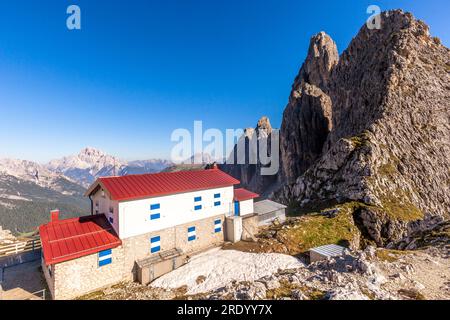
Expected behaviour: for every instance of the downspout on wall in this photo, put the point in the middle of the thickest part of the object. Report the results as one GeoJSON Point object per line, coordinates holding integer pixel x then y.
{"type": "Point", "coordinates": [92, 205]}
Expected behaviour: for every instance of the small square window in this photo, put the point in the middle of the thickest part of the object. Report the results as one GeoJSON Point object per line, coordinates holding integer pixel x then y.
{"type": "Point", "coordinates": [217, 226]}
{"type": "Point", "coordinates": [111, 219]}
{"type": "Point", "coordinates": [198, 208]}
{"type": "Point", "coordinates": [104, 258]}
{"type": "Point", "coordinates": [155, 244]}
{"type": "Point", "coordinates": [192, 235]}
{"type": "Point", "coordinates": [197, 199]}
{"type": "Point", "coordinates": [217, 203]}
{"type": "Point", "coordinates": [216, 195]}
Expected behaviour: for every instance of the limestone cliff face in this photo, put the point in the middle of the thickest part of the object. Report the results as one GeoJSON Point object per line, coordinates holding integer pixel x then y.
{"type": "Point", "coordinates": [308, 115]}
{"type": "Point", "coordinates": [370, 127]}
{"type": "Point", "coordinates": [242, 168]}
{"type": "Point", "coordinates": [388, 147]}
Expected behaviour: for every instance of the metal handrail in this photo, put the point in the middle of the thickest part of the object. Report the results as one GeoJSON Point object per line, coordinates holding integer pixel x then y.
{"type": "Point", "coordinates": [36, 293]}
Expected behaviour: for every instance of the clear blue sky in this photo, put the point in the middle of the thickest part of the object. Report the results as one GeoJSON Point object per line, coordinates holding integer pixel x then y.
{"type": "Point", "coordinates": [140, 69]}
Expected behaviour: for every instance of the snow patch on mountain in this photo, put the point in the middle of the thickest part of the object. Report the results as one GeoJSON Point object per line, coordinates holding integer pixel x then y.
{"type": "Point", "coordinates": [90, 164]}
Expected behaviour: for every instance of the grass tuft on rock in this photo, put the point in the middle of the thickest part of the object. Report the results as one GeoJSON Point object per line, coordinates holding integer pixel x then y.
{"type": "Point", "coordinates": [317, 229]}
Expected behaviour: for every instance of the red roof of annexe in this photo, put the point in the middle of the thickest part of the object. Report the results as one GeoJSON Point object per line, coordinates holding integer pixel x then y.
{"type": "Point", "coordinates": [69, 239]}
{"type": "Point", "coordinates": [243, 194]}
{"type": "Point", "coordinates": [159, 184]}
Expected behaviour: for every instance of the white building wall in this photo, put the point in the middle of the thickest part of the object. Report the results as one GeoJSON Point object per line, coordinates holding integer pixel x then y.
{"type": "Point", "coordinates": [104, 206]}
{"type": "Point", "coordinates": [177, 209]}
{"type": "Point", "coordinates": [246, 207]}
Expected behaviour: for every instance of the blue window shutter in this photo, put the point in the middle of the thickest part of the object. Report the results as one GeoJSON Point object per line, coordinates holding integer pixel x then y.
{"type": "Point", "coordinates": [191, 238]}
{"type": "Point", "coordinates": [104, 262]}
{"type": "Point", "coordinates": [155, 249]}
{"type": "Point", "coordinates": [217, 195]}
{"type": "Point", "coordinates": [217, 203]}
{"type": "Point", "coordinates": [191, 229]}
{"type": "Point", "coordinates": [155, 239]}
{"type": "Point", "coordinates": [155, 216]}
{"type": "Point", "coordinates": [198, 207]}
{"type": "Point", "coordinates": [197, 199]}
{"type": "Point", "coordinates": [105, 253]}
{"type": "Point", "coordinates": [217, 222]}
{"type": "Point", "coordinates": [155, 206]}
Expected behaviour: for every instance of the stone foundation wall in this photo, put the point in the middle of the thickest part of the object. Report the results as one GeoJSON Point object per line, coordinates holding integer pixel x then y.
{"type": "Point", "coordinates": [49, 278]}
{"type": "Point", "coordinates": [83, 275]}
{"type": "Point", "coordinates": [137, 248]}
{"type": "Point", "coordinates": [80, 276]}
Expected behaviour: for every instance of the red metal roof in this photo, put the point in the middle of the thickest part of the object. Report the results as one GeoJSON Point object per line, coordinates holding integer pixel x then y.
{"type": "Point", "coordinates": [165, 183]}
{"type": "Point", "coordinates": [69, 239]}
{"type": "Point", "coordinates": [243, 194]}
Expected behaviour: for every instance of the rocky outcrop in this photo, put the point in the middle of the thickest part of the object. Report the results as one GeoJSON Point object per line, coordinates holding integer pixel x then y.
{"type": "Point", "coordinates": [242, 165]}
{"type": "Point", "coordinates": [389, 143]}
{"type": "Point", "coordinates": [308, 115]}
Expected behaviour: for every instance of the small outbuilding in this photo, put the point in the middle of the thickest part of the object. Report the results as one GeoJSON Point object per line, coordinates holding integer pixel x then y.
{"type": "Point", "coordinates": [325, 252]}
{"type": "Point", "coordinates": [269, 211]}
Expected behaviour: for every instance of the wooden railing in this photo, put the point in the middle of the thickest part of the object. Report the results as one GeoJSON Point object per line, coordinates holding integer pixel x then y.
{"type": "Point", "coordinates": [20, 247]}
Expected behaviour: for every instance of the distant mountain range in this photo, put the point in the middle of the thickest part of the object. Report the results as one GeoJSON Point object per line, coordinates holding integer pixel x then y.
{"type": "Point", "coordinates": [29, 190]}
{"type": "Point", "coordinates": [90, 164]}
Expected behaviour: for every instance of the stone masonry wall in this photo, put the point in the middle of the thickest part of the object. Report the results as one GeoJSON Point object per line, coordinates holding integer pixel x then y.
{"type": "Point", "coordinates": [137, 248]}
{"type": "Point", "coordinates": [49, 278]}
{"type": "Point", "coordinates": [80, 276]}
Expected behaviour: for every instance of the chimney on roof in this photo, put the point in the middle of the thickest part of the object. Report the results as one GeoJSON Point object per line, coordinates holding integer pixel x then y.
{"type": "Point", "coordinates": [213, 166]}
{"type": "Point", "coordinates": [54, 215]}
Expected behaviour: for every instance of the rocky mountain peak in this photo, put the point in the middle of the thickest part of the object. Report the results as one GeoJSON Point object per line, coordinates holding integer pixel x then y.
{"type": "Point", "coordinates": [321, 59]}
{"type": "Point", "coordinates": [91, 152]}
{"type": "Point", "coordinates": [387, 147]}
{"type": "Point", "coordinates": [307, 119]}
{"type": "Point", "coordinates": [264, 124]}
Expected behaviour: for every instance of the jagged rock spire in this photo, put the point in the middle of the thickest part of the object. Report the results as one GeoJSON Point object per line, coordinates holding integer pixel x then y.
{"type": "Point", "coordinates": [307, 117]}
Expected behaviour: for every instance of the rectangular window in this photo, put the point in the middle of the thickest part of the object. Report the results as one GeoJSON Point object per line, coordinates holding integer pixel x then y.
{"type": "Point", "coordinates": [198, 207]}
{"type": "Point", "coordinates": [155, 244]}
{"type": "Point", "coordinates": [155, 216]}
{"type": "Point", "coordinates": [155, 206]}
{"type": "Point", "coordinates": [216, 195]}
{"type": "Point", "coordinates": [104, 257]}
{"type": "Point", "coordinates": [197, 199]}
{"type": "Point", "coordinates": [217, 226]}
{"type": "Point", "coordinates": [217, 203]}
{"type": "Point", "coordinates": [111, 219]}
{"type": "Point", "coordinates": [192, 234]}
